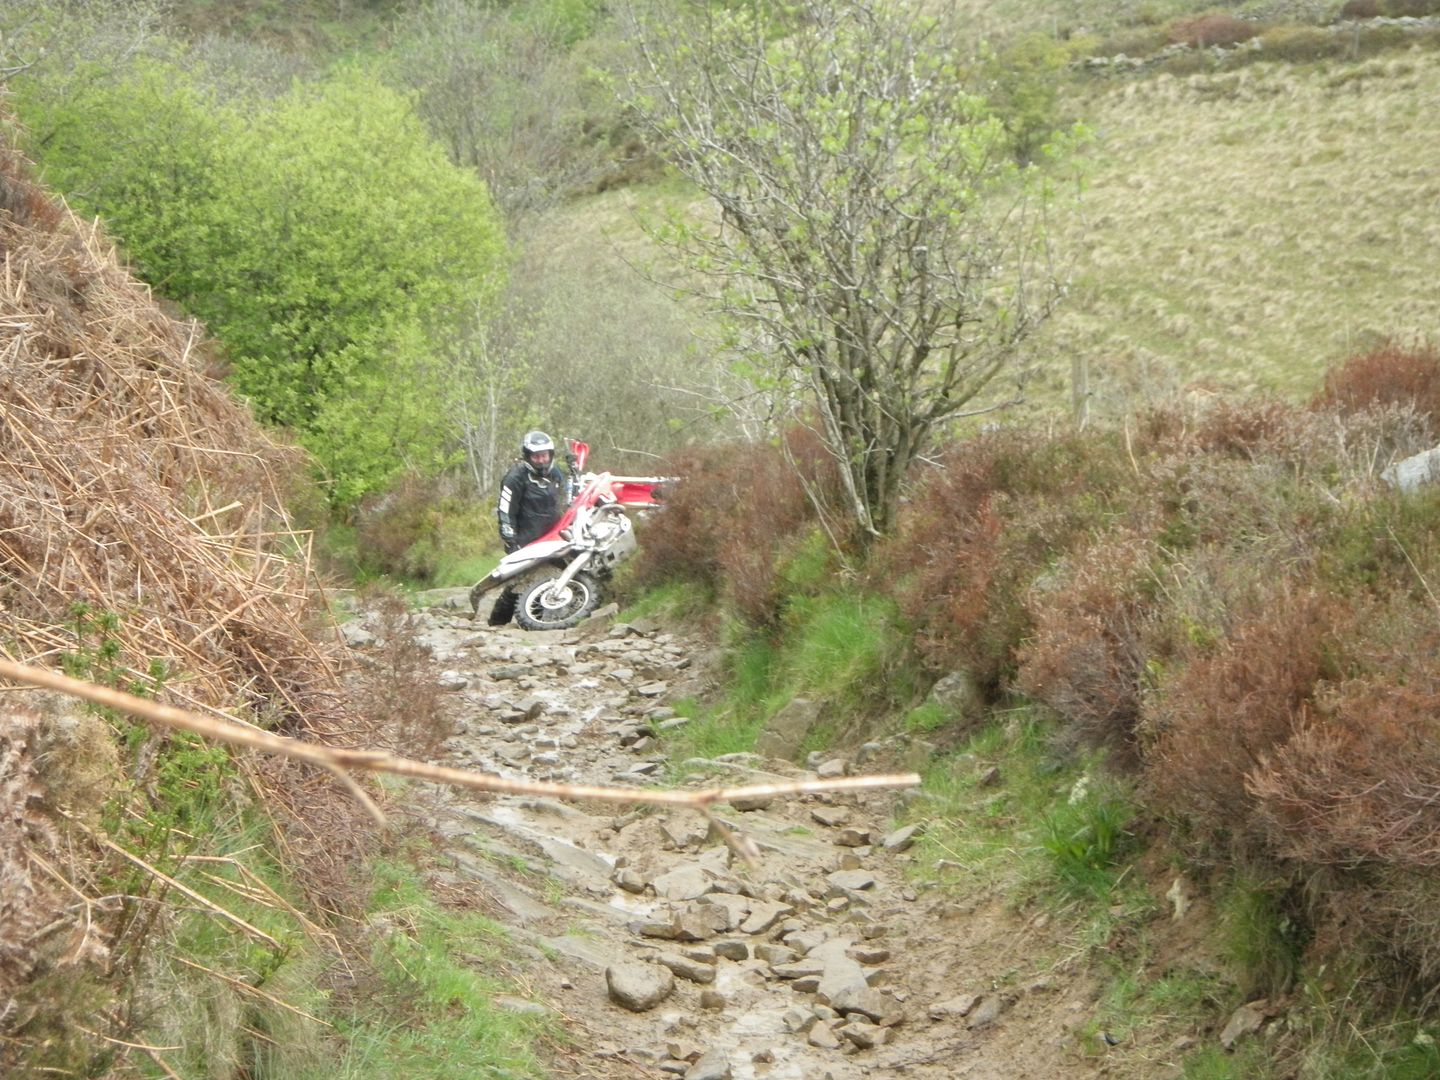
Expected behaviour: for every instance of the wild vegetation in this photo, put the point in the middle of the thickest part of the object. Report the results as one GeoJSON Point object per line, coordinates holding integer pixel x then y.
{"type": "Point", "coordinates": [1217, 616]}
{"type": "Point", "coordinates": [1197, 632]}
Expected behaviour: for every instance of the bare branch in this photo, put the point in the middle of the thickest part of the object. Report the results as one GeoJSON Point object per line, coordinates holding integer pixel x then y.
{"type": "Point", "coordinates": [334, 759]}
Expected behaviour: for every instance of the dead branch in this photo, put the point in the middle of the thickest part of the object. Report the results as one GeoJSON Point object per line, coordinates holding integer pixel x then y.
{"type": "Point", "coordinates": [339, 760]}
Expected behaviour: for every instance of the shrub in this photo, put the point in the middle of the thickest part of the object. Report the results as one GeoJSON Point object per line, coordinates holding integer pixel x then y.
{"type": "Point", "coordinates": [1415, 9]}
{"type": "Point", "coordinates": [1211, 28]}
{"type": "Point", "coordinates": [1135, 41]}
{"type": "Point", "coordinates": [1390, 374]}
{"type": "Point", "coordinates": [740, 520]}
{"type": "Point", "coordinates": [1360, 9]}
{"type": "Point", "coordinates": [1086, 658]}
{"type": "Point", "coordinates": [1237, 701]}
{"type": "Point", "coordinates": [981, 528]}
{"type": "Point", "coordinates": [1301, 43]}
{"type": "Point", "coordinates": [417, 529]}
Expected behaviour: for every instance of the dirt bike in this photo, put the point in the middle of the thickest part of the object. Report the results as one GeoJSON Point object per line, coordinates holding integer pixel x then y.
{"type": "Point", "coordinates": [558, 577]}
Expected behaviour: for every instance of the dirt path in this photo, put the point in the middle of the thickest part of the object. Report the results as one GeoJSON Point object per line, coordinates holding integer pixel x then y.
{"type": "Point", "coordinates": [668, 957]}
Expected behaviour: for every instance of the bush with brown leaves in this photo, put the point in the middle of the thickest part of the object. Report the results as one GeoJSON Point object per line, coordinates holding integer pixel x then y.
{"type": "Point", "coordinates": [994, 515]}
{"type": "Point", "coordinates": [1086, 658]}
{"type": "Point", "coordinates": [1212, 28]}
{"type": "Point", "coordinates": [1234, 702]}
{"type": "Point", "coordinates": [735, 515]}
{"type": "Point", "coordinates": [1390, 374]}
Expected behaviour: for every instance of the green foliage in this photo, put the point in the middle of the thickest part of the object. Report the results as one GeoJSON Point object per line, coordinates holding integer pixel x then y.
{"type": "Point", "coordinates": [425, 533]}
{"type": "Point", "coordinates": [432, 1013]}
{"type": "Point", "coordinates": [1263, 941]}
{"type": "Point", "coordinates": [1086, 835]}
{"type": "Point", "coordinates": [1023, 86]}
{"type": "Point", "coordinates": [809, 564]}
{"type": "Point", "coordinates": [323, 237]}
{"type": "Point", "coordinates": [931, 716]}
{"type": "Point", "coordinates": [351, 246]}
{"type": "Point", "coordinates": [1212, 1063]}
{"type": "Point", "coordinates": [869, 219]}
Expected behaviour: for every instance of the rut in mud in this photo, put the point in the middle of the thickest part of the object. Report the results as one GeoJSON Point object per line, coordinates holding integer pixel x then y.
{"type": "Point", "coordinates": [667, 956]}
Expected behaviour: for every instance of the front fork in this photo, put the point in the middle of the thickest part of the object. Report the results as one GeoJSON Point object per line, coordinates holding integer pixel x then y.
{"type": "Point", "coordinates": [561, 583]}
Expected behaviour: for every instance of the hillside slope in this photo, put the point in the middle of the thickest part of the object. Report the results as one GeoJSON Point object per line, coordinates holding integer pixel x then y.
{"type": "Point", "coordinates": [1244, 229]}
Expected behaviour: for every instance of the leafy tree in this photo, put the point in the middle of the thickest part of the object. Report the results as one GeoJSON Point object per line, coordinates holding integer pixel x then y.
{"type": "Point", "coordinates": [353, 250]}
{"type": "Point", "coordinates": [322, 235]}
{"type": "Point", "coordinates": [874, 231]}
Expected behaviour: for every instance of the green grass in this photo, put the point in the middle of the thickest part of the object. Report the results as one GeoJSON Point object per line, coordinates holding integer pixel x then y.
{"type": "Point", "coordinates": [841, 648]}
{"type": "Point", "coordinates": [1244, 229]}
{"type": "Point", "coordinates": [673, 600]}
{"type": "Point", "coordinates": [430, 1014]}
{"type": "Point", "coordinates": [1048, 827]}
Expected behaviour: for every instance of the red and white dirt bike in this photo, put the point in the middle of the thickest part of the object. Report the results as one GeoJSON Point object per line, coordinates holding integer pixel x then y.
{"type": "Point", "coordinates": [558, 577]}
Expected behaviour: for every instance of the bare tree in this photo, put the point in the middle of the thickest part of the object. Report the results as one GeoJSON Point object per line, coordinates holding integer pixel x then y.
{"type": "Point", "coordinates": [872, 226]}
{"type": "Point", "coordinates": [501, 94]}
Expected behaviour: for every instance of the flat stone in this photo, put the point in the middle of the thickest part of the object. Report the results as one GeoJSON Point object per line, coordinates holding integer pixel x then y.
{"type": "Point", "coordinates": [651, 689]}
{"type": "Point", "coordinates": [847, 881]}
{"type": "Point", "coordinates": [865, 1036]}
{"type": "Point", "coordinates": [683, 883]}
{"type": "Point", "coordinates": [763, 916]}
{"type": "Point", "coordinates": [832, 816]}
{"type": "Point", "coordinates": [823, 1036]}
{"type": "Point", "coordinates": [870, 1004]}
{"type": "Point", "coordinates": [956, 1006]}
{"type": "Point", "coordinates": [903, 839]}
{"type": "Point", "coordinates": [732, 949]}
{"type": "Point", "coordinates": [687, 968]}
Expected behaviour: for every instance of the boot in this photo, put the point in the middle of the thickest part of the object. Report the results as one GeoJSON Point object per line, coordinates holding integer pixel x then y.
{"type": "Point", "coordinates": [504, 609]}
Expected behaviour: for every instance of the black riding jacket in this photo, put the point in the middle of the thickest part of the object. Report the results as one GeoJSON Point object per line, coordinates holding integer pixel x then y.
{"type": "Point", "coordinates": [529, 504]}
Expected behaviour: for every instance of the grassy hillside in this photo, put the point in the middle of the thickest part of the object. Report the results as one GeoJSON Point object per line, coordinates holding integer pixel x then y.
{"type": "Point", "coordinates": [1245, 228]}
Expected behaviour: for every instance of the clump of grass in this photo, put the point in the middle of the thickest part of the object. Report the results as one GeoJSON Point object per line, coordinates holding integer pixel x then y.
{"type": "Point", "coordinates": [1262, 939]}
{"type": "Point", "coordinates": [1086, 836]}
{"type": "Point", "coordinates": [1077, 821]}
{"type": "Point", "coordinates": [430, 1012]}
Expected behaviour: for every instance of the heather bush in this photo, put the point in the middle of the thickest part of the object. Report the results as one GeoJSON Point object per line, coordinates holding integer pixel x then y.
{"type": "Point", "coordinates": [419, 530]}
{"type": "Point", "coordinates": [1211, 28]}
{"type": "Point", "coordinates": [1087, 656]}
{"type": "Point", "coordinates": [1390, 374]}
{"type": "Point", "coordinates": [1385, 545]}
{"type": "Point", "coordinates": [742, 518]}
{"type": "Point", "coordinates": [1360, 9]}
{"type": "Point", "coordinates": [1232, 702]}
{"type": "Point", "coordinates": [978, 531]}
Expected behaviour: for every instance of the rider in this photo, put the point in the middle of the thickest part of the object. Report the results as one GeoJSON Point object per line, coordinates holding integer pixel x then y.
{"type": "Point", "coordinates": [533, 495]}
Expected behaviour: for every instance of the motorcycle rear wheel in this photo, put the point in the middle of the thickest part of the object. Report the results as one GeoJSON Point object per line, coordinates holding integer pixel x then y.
{"type": "Point", "coordinates": [540, 608]}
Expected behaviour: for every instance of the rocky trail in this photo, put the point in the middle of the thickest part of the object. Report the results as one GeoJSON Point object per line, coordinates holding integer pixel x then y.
{"type": "Point", "coordinates": [664, 954]}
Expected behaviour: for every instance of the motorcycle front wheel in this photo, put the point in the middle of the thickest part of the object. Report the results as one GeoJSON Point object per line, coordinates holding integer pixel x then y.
{"type": "Point", "coordinates": [543, 607]}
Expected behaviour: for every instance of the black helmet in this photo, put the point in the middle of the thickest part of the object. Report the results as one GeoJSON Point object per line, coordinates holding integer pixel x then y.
{"type": "Point", "coordinates": [536, 442]}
